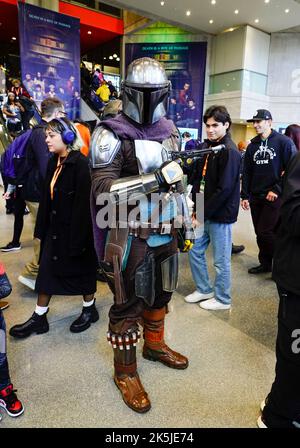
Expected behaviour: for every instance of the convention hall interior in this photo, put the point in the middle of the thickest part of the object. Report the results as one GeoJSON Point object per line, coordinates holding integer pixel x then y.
{"type": "Point", "coordinates": [241, 55]}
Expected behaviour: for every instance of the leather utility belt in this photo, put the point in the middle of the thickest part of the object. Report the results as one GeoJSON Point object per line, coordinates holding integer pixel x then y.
{"type": "Point", "coordinates": [144, 229]}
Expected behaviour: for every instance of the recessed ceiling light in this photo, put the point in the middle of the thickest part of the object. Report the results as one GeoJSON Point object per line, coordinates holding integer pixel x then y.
{"type": "Point", "coordinates": [188, 13]}
{"type": "Point", "coordinates": [104, 57]}
{"type": "Point", "coordinates": [267, 1]}
{"type": "Point", "coordinates": [14, 38]}
{"type": "Point", "coordinates": [231, 29]}
{"type": "Point", "coordinates": [89, 32]}
{"type": "Point", "coordinates": [213, 2]}
{"type": "Point", "coordinates": [110, 57]}
{"type": "Point", "coordinates": [115, 55]}
{"type": "Point", "coordinates": [236, 11]}
{"type": "Point", "coordinates": [211, 21]}
{"type": "Point", "coordinates": [118, 59]}
{"type": "Point", "coordinates": [256, 20]}
{"type": "Point", "coordinates": [162, 3]}
{"type": "Point", "coordinates": [287, 11]}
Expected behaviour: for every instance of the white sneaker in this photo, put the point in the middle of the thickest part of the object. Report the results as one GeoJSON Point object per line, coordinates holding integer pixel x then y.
{"type": "Point", "coordinates": [29, 282]}
{"type": "Point", "coordinates": [260, 423]}
{"type": "Point", "coordinates": [213, 305]}
{"type": "Point", "coordinates": [197, 296]}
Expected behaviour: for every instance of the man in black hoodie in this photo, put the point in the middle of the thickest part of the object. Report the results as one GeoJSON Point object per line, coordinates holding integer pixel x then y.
{"type": "Point", "coordinates": [218, 176]}
{"type": "Point", "coordinates": [265, 162]}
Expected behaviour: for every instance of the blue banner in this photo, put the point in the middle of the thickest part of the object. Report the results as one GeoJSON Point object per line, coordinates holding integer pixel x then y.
{"type": "Point", "coordinates": [185, 67]}
{"type": "Point", "coordinates": [50, 56]}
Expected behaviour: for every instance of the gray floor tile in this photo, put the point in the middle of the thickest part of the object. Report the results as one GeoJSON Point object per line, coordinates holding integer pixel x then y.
{"type": "Point", "coordinates": [65, 379]}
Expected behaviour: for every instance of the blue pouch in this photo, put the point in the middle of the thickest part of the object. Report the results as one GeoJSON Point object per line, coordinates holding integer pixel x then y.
{"type": "Point", "coordinates": [5, 286]}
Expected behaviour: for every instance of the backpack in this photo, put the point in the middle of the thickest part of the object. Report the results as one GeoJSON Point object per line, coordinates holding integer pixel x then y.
{"type": "Point", "coordinates": [96, 101]}
{"type": "Point", "coordinates": [14, 157]}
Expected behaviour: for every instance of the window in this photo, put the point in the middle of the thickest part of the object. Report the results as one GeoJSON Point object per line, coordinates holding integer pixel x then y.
{"type": "Point", "coordinates": [99, 6]}
{"type": "Point", "coordinates": [88, 3]}
{"type": "Point", "coordinates": [108, 9]}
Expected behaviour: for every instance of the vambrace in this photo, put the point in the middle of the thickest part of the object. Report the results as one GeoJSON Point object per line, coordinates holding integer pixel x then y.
{"type": "Point", "coordinates": [134, 187]}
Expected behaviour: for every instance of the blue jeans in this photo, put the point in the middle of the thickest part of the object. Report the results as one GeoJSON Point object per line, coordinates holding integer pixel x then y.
{"type": "Point", "coordinates": [4, 373]}
{"type": "Point", "coordinates": [220, 236]}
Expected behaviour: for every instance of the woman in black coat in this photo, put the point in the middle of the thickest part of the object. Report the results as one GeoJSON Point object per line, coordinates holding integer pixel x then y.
{"type": "Point", "coordinates": [64, 226]}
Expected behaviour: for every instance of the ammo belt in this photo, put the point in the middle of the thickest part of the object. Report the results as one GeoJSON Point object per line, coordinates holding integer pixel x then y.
{"type": "Point", "coordinates": [144, 229]}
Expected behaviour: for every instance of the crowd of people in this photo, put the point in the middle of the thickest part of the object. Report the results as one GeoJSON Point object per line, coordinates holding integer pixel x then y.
{"type": "Point", "coordinates": [99, 90]}
{"type": "Point", "coordinates": [23, 99]}
{"type": "Point", "coordinates": [63, 190]}
{"type": "Point", "coordinates": [183, 109]}
{"type": "Point", "coordinates": [18, 109]}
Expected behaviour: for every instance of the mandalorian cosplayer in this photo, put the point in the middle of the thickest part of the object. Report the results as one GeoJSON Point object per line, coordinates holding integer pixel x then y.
{"type": "Point", "coordinates": [141, 260]}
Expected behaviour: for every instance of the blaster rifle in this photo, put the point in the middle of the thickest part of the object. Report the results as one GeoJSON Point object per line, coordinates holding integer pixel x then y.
{"type": "Point", "coordinates": [189, 157]}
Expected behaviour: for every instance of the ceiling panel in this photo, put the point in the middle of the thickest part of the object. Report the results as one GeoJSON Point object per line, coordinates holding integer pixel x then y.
{"type": "Point", "coordinates": [272, 16]}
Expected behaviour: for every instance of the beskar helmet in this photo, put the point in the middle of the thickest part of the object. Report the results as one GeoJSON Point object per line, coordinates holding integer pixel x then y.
{"type": "Point", "coordinates": [146, 91]}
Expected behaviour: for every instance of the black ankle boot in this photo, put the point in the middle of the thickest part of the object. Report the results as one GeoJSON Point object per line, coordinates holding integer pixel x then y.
{"type": "Point", "coordinates": [237, 249]}
{"type": "Point", "coordinates": [88, 315]}
{"type": "Point", "coordinates": [36, 324]}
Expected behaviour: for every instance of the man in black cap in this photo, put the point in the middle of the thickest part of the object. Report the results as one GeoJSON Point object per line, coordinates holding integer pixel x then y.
{"type": "Point", "coordinates": [265, 162]}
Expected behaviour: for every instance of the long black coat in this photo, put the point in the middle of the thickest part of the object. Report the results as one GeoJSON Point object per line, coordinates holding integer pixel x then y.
{"type": "Point", "coordinates": [68, 217]}
{"type": "Point", "coordinates": [287, 248]}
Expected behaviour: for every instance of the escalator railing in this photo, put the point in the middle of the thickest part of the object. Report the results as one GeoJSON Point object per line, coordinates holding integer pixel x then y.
{"type": "Point", "coordinates": [37, 118]}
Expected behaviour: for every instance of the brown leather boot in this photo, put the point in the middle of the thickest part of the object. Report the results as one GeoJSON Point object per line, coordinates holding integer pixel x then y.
{"type": "Point", "coordinates": [155, 347]}
{"type": "Point", "coordinates": [126, 377]}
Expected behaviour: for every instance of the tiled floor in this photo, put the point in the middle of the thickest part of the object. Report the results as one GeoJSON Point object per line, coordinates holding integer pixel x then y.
{"type": "Point", "coordinates": [65, 379]}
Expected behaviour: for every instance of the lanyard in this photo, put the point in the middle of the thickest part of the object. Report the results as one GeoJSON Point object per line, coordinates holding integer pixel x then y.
{"type": "Point", "coordinates": [18, 91]}
{"type": "Point", "coordinates": [202, 182]}
{"type": "Point", "coordinates": [55, 176]}
{"type": "Point", "coordinates": [205, 168]}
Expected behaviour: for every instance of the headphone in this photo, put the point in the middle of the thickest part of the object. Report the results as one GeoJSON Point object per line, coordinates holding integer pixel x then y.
{"type": "Point", "coordinates": [68, 136]}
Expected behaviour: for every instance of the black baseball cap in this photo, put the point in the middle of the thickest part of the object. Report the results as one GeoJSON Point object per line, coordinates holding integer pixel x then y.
{"type": "Point", "coordinates": [261, 114]}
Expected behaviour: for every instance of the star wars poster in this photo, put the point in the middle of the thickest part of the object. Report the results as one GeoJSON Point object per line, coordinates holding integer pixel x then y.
{"type": "Point", "coordinates": [50, 56]}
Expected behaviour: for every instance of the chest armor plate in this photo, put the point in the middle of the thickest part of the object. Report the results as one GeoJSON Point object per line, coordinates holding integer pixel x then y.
{"type": "Point", "coordinates": [150, 154]}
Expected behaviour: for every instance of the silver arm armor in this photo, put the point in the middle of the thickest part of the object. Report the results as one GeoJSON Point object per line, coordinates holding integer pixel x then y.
{"type": "Point", "coordinates": [136, 187]}
{"type": "Point", "coordinates": [104, 147]}
{"type": "Point", "coordinates": [133, 187]}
